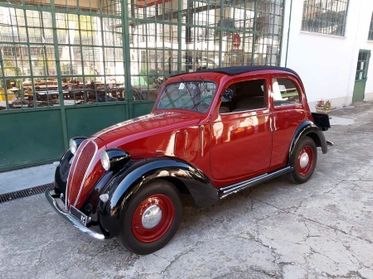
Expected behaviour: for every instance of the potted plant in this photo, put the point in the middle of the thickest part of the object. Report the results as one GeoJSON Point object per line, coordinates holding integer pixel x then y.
{"type": "Point", "coordinates": [324, 106]}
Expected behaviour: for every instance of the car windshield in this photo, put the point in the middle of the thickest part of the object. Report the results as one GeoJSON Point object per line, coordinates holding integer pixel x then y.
{"type": "Point", "coordinates": [189, 95]}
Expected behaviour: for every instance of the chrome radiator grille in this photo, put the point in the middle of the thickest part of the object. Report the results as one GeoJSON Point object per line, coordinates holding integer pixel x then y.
{"type": "Point", "coordinates": [80, 169]}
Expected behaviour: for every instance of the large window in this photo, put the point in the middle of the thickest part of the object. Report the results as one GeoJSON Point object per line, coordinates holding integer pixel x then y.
{"type": "Point", "coordinates": [46, 53]}
{"type": "Point", "coordinates": [325, 16]}
{"type": "Point", "coordinates": [370, 36]}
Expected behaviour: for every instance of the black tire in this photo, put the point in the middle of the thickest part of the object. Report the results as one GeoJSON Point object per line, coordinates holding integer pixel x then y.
{"type": "Point", "coordinates": [301, 173]}
{"type": "Point", "coordinates": [139, 239]}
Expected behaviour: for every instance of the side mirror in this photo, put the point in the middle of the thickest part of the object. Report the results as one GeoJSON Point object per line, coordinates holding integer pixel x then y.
{"type": "Point", "coordinates": [227, 96]}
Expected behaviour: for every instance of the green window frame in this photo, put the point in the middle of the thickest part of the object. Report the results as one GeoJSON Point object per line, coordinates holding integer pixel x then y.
{"type": "Point", "coordinates": [325, 16]}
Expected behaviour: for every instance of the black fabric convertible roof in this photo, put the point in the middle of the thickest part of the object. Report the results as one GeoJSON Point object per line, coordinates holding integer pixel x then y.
{"type": "Point", "coordinates": [236, 70]}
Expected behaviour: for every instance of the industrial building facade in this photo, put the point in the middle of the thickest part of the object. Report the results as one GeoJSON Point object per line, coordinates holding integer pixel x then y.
{"type": "Point", "coordinates": [73, 67]}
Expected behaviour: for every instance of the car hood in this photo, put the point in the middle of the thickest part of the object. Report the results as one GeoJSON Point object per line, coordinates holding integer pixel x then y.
{"type": "Point", "coordinates": [147, 126]}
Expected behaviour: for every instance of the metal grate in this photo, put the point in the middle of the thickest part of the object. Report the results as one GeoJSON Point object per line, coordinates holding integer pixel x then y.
{"type": "Point", "coordinates": [60, 54]}
{"type": "Point", "coordinates": [25, 193]}
{"type": "Point", "coordinates": [325, 16]}
{"type": "Point", "coordinates": [186, 35]}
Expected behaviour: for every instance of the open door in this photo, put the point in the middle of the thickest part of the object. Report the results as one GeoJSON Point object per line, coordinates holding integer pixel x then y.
{"type": "Point", "coordinates": [361, 75]}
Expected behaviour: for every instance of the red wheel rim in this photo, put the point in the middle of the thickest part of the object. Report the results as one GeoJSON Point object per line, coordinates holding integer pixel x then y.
{"type": "Point", "coordinates": [153, 218]}
{"type": "Point", "coordinates": [305, 160]}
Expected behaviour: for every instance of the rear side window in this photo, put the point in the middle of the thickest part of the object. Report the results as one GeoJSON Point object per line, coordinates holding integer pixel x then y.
{"type": "Point", "coordinates": [285, 92]}
{"type": "Point", "coordinates": [243, 96]}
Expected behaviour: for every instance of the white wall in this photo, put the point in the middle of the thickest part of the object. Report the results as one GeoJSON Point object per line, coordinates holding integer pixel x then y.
{"type": "Point", "coordinates": [326, 63]}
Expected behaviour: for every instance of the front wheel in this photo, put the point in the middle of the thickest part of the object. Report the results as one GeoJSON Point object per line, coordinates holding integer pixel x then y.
{"type": "Point", "coordinates": [303, 160]}
{"type": "Point", "coordinates": [151, 218]}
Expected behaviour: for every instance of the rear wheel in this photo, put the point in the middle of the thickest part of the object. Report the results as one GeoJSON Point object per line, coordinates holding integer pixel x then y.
{"type": "Point", "coordinates": [151, 218]}
{"type": "Point", "coordinates": [303, 160]}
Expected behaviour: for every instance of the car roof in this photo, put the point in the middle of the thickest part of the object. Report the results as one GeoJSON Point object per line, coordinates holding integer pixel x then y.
{"type": "Point", "coordinates": [237, 70]}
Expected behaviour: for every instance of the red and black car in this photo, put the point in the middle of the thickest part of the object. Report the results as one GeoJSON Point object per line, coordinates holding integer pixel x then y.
{"type": "Point", "coordinates": [210, 134]}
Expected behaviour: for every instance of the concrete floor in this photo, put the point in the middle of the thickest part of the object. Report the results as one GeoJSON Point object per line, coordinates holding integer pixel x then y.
{"type": "Point", "coordinates": [321, 229]}
{"type": "Point", "coordinates": [26, 178]}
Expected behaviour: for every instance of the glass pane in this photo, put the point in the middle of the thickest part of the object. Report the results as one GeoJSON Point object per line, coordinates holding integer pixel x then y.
{"type": "Point", "coordinates": [190, 95]}
{"type": "Point", "coordinates": [73, 90]}
{"type": "Point", "coordinates": [46, 92]}
{"type": "Point", "coordinates": [325, 16]}
{"type": "Point", "coordinates": [17, 93]}
{"type": "Point", "coordinates": [15, 60]}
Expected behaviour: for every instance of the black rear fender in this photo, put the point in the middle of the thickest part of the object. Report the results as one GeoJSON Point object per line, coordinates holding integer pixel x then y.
{"type": "Point", "coordinates": [310, 129]}
{"type": "Point", "coordinates": [321, 120]}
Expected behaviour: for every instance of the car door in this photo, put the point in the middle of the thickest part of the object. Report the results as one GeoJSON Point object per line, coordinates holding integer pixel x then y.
{"type": "Point", "coordinates": [287, 113]}
{"type": "Point", "coordinates": [241, 136]}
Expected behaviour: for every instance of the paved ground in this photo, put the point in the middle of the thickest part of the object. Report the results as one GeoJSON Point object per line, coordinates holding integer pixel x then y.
{"type": "Point", "coordinates": [321, 229]}
{"type": "Point", "coordinates": [26, 178]}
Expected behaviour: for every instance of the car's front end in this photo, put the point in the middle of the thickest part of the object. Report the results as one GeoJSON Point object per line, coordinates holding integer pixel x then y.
{"type": "Point", "coordinates": [80, 179]}
{"type": "Point", "coordinates": [96, 175]}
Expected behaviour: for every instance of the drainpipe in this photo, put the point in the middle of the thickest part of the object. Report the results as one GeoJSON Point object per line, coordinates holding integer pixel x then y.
{"type": "Point", "coordinates": [288, 38]}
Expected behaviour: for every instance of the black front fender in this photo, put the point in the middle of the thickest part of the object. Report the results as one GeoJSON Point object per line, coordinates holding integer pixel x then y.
{"type": "Point", "coordinates": [62, 172]}
{"type": "Point", "coordinates": [130, 180]}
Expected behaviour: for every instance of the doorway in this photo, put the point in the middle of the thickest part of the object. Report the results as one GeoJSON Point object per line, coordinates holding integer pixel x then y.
{"type": "Point", "coordinates": [361, 75]}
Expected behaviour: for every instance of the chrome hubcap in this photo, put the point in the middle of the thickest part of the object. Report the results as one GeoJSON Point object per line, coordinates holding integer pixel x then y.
{"type": "Point", "coordinates": [151, 216]}
{"type": "Point", "coordinates": [304, 160]}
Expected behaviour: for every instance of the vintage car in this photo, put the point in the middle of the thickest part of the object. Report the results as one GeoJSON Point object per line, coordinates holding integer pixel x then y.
{"type": "Point", "coordinates": [210, 134]}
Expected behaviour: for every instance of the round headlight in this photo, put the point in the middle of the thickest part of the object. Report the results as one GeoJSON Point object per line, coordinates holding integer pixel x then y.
{"type": "Point", "coordinates": [114, 159]}
{"type": "Point", "coordinates": [105, 161]}
{"type": "Point", "coordinates": [73, 146]}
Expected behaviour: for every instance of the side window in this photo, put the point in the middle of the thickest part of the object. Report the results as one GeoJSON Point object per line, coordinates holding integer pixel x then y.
{"type": "Point", "coordinates": [285, 92]}
{"type": "Point", "coordinates": [243, 96]}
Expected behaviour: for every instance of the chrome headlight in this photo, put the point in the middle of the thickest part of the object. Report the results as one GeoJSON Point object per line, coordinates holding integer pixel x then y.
{"type": "Point", "coordinates": [73, 146]}
{"type": "Point", "coordinates": [74, 143]}
{"type": "Point", "coordinates": [105, 161]}
{"type": "Point", "coordinates": [114, 158]}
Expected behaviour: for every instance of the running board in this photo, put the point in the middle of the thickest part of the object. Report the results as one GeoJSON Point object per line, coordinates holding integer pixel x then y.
{"type": "Point", "coordinates": [234, 188]}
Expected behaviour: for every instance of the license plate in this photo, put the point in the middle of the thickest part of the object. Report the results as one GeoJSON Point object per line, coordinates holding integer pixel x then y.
{"type": "Point", "coordinates": [79, 215]}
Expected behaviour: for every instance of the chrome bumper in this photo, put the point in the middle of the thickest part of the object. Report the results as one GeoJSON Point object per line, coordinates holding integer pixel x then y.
{"type": "Point", "coordinates": [76, 223]}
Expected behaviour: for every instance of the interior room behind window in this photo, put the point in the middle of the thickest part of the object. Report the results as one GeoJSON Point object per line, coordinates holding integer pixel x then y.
{"type": "Point", "coordinates": [243, 96]}
{"type": "Point", "coordinates": [285, 92]}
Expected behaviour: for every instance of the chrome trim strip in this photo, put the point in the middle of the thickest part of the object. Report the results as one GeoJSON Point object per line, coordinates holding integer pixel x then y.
{"type": "Point", "coordinates": [81, 146]}
{"type": "Point", "coordinates": [252, 112]}
{"type": "Point", "coordinates": [234, 188]}
{"type": "Point", "coordinates": [72, 219]}
{"type": "Point", "coordinates": [88, 170]}
{"type": "Point", "coordinates": [202, 135]}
